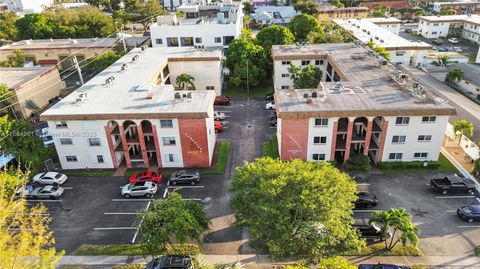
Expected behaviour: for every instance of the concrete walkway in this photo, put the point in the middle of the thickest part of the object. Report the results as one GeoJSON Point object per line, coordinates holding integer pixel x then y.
{"type": "Point", "coordinates": [261, 261]}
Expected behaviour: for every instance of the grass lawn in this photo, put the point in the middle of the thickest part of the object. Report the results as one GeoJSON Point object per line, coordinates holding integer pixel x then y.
{"type": "Point", "coordinates": [258, 91]}
{"type": "Point", "coordinates": [445, 167]}
{"type": "Point", "coordinates": [114, 250]}
{"type": "Point", "coordinates": [379, 250]}
{"type": "Point", "coordinates": [270, 148]}
{"type": "Point", "coordinates": [90, 173]}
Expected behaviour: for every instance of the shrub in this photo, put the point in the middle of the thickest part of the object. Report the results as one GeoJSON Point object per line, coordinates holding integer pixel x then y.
{"type": "Point", "coordinates": [183, 249]}
{"type": "Point", "coordinates": [358, 163]}
{"type": "Point", "coordinates": [409, 165]}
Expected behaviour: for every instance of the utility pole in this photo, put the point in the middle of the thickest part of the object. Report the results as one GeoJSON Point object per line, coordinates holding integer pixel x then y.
{"type": "Point", "coordinates": [123, 37]}
{"type": "Point", "coordinates": [77, 66]}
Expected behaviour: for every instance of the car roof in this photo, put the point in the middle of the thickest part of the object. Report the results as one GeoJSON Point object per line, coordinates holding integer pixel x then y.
{"type": "Point", "coordinates": [50, 174]}
{"type": "Point", "coordinates": [474, 208]}
{"type": "Point", "coordinates": [47, 187]}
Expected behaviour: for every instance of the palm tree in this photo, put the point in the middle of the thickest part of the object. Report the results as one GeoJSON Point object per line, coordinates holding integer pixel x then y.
{"type": "Point", "coordinates": [399, 222]}
{"type": "Point", "coordinates": [462, 127]}
{"type": "Point", "coordinates": [455, 75]}
{"type": "Point", "coordinates": [443, 60]}
{"type": "Point", "coordinates": [185, 80]}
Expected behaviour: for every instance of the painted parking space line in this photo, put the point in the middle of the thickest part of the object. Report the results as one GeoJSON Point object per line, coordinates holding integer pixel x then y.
{"type": "Point", "coordinates": [186, 187]}
{"type": "Point", "coordinates": [455, 197]}
{"type": "Point", "coordinates": [192, 199]}
{"type": "Point", "coordinates": [451, 211]}
{"type": "Point", "coordinates": [121, 213]}
{"type": "Point", "coordinates": [365, 210]}
{"type": "Point", "coordinates": [67, 188]}
{"type": "Point", "coordinates": [45, 201]}
{"type": "Point", "coordinates": [114, 228]}
{"type": "Point", "coordinates": [141, 221]}
{"type": "Point", "coordinates": [478, 199]}
{"type": "Point", "coordinates": [165, 193]}
{"type": "Point", "coordinates": [224, 111]}
{"type": "Point", "coordinates": [363, 184]}
{"type": "Point", "coordinates": [469, 226]}
{"type": "Point", "coordinates": [273, 127]}
{"type": "Point", "coordinates": [131, 200]}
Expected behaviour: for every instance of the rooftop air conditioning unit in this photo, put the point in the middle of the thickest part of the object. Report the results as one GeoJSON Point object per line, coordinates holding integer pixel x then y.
{"type": "Point", "coordinates": [314, 94]}
{"type": "Point", "coordinates": [135, 58]}
{"type": "Point", "coordinates": [143, 48]}
{"type": "Point", "coordinates": [109, 80]}
{"type": "Point", "coordinates": [124, 67]}
{"type": "Point", "coordinates": [177, 95]}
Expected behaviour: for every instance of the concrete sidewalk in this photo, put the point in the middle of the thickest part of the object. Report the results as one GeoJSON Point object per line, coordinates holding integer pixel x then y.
{"type": "Point", "coordinates": [262, 261]}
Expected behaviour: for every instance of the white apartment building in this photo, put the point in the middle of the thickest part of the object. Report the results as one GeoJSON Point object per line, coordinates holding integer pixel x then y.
{"type": "Point", "coordinates": [369, 108]}
{"type": "Point", "coordinates": [402, 51]}
{"type": "Point", "coordinates": [438, 26]}
{"type": "Point", "coordinates": [391, 24]}
{"type": "Point", "coordinates": [461, 7]}
{"type": "Point", "coordinates": [28, 6]}
{"type": "Point", "coordinates": [174, 4]}
{"type": "Point", "coordinates": [130, 114]}
{"type": "Point", "coordinates": [214, 25]}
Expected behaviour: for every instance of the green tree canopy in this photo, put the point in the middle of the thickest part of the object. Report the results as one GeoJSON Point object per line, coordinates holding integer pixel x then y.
{"type": "Point", "coordinates": [99, 63]}
{"type": "Point", "coordinates": [16, 60]}
{"type": "Point", "coordinates": [399, 223]}
{"type": "Point", "coordinates": [248, 8]}
{"type": "Point", "coordinates": [455, 75]}
{"type": "Point", "coordinates": [171, 220]}
{"type": "Point", "coordinates": [306, 7]}
{"type": "Point", "coordinates": [8, 30]}
{"type": "Point", "coordinates": [447, 11]}
{"type": "Point", "coordinates": [379, 11]}
{"type": "Point", "coordinates": [305, 78]}
{"type": "Point", "coordinates": [145, 11]}
{"type": "Point", "coordinates": [36, 26]}
{"type": "Point", "coordinates": [302, 25]}
{"type": "Point", "coordinates": [295, 208]}
{"type": "Point", "coordinates": [274, 35]}
{"type": "Point", "coordinates": [23, 229]}
{"type": "Point", "coordinates": [242, 52]}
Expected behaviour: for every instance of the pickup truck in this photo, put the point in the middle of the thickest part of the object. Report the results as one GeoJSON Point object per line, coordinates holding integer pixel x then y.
{"type": "Point", "coordinates": [453, 183]}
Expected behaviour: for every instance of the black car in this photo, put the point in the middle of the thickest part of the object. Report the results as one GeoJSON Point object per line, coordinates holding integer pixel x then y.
{"type": "Point", "coordinates": [469, 213]}
{"type": "Point", "coordinates": [269, 96]}
{"type": "Point", "coordinates": [273, 116]}
{"type": "Point", "coordinates": [171, 262]}
{"type": "Point", "coordinates": [184, 177]}
{"type": "Point", "coordinates": [366, 200]}
{"type": "Point", "coordinates": [273, 122]}
{"type": "Point", "coordinates": [382, 266]}
{"type": "Point", "coordinates": [408, 31]}
{"type": "Point", "coordinates": [370, 231]}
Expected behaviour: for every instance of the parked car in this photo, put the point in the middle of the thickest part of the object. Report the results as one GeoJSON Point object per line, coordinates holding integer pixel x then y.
{"type": "Point", "coordinates": [457, 49]}
{"type": "Point", "coordinates": [453, 183]}
{"type": "Point", "coordinates": [408, 30]}
{"type": "Point", "coordinates": [269, 96]}
{"type": "Point", "coordinates": [171, 262]}
{"type": "Point", "coordinates": [184, 177]}
{"type": "Point", "coordinates": [270, 106]}
{"type": "Point", "coordinates": [146, 188]}
{"type": "Point", "coordinates": [440, 49]}
{"type": "Point", "coordinates": [218, 115]}
{"type": "Point", "coordinates": [273, 122]}
{"type": "Point", "coordinates": [218, 127]}
{"type": "Point", "coordinates": [49, 178]}
{"type": "Point", "coordinates": [273, 116]}
{"type": "Point", "coordinates": [371, 232]}
{"type": "Point", "coordinates": [453, 40]}
{"type": "Point", "coordinates": [437, 41]}
{"type": "Point", "coordinates": [469, 213]}
{"type": "Point", "coordinates": [46, 138]}
{"type": "Point", "coordinates": [382, 266]}
{"type": "Point", "coordinates": [366, 200]}
{"type": "Point", "coordinates": [155, 177]}
{"type": "Point", "coordinates": [47, 191]}
{"type": "Point", "coordinates": [222, 101]}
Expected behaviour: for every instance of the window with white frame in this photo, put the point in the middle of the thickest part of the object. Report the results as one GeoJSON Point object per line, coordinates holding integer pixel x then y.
{"type": "Point", "coordinates": [319, 140]}
{"type": "Point", "coordinates": [395, 156]}
{"type": "Point", "coordinates": [210, 88]}
{"type": "Point", "coordinates": [100, 159]}
{"type": "Point", "coordinates": [71, 158]}
{"type": "Point", "coordinates": [218, 40]}
{"type": "Point", "coordinates": [285, 75]}
{"type": "Point", "coordinates": [166, 124]}
{"type": "Point", "coordinates": [158, 41]}
{"type": "Point", "coordinates": [318, 62]}
{"type": "Point", "coordinates": [318, 157]}
{"type": "Point", "coordinates": [321, 122]}
{"type": "Point", "coordinates": [169, 141]}
{"type": "Point", "coordinates": [402, 120]}
{"type": "Point", "coordinates": [429, 119]}
{"type": "Point", "coordinates": [399, 139]}
{"type": "Point", "coordinates": [420, 155]}
{"type": "Point", "coordinates": [61, 124]}
{"type": "Point", "coordinates": [94, 141]}
{"type": "Point", "coordinates": [424, 138]}
{"type": "Point", "coordinates": [305, 63]}
{"type": "Point", "coordinates": [66, 141]}
{"type": "Point", "coordinates": [285, 62]}
{"type": "Point", "coordinates": [285, 87]}
{"type": "Point", "coordinates": [171, 158]}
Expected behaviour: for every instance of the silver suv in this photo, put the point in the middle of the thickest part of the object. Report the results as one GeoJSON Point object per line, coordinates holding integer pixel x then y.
{"type": "Point", "coordinates": [146, 188]}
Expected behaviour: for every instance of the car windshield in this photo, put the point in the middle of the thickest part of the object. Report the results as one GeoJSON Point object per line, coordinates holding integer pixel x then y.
{"type": "Point", "coordinates": [467, 210]}
{"type": "Point", "coordinates": [58, 176]}
{"type": "Point", "coordinates": [54, 188]}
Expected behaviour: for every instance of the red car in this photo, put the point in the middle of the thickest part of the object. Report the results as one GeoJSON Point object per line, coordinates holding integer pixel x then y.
{"type": "Point", "coordinates": [155, 177]}
{"type": "Point", "coordinates": [222, 101]}
{"type": "Point", "coordinates": [218, 127]}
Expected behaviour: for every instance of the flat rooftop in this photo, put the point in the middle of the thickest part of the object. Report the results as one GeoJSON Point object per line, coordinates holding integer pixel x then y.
{"type": "Point", "coordinates": [366, 89]}
{"type": "Point", "coordinates": [475, 19]}
{"type": "Point", "coordinates": [390, 20]}
{"type": "Point", "coordinates": [134, 94]}
{"type": "Point", "coordinates": [365, 30]}
{"type": "Point", "coordinates": [77, 43]}
{"type": "Point", "coordinates": [16, 77]}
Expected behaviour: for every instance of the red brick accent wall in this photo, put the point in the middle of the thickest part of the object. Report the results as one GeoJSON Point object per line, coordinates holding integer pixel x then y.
{"type": "Point", "coordinates": [193, 135]}
{"type": "Point", "coordinates": [381, 147]}
{"type": "Point", "coordinates": [294, 139]}
{"type": "Point", "coordinates": [157, 147]}
{"type": "Point", "coordinates": [348, 143]}
{"type": "Point", "coordinates": [368, 136]}
{"type": "Point", "coordinates": [334, 140]}
{"type": "Point", "coordinates": [143, 148]}
{"type": "Point", "coordinates": [125, 147]}
{"type": "Point", "coordinates": [110, 146]}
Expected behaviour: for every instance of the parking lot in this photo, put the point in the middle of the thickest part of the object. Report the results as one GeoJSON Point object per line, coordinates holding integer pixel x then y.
{"type": "Point", "coordinates": [92, 210]}
{"type": "Point", "coordinates": [466, 48]}
{"type": "Point", "coordinates": [441, 231]}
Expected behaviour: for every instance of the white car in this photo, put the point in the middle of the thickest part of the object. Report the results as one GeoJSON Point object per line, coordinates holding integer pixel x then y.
{"type": "Point", "coordinates": [453, 40]}
{"type": "Point", "coordinates": [457, 49]}
{"type": "Point", "coordinates": [50, 178]}
{"type": "Point", "coordinates": [47, 191]}
{"type": "Point", "coordinates": [218, 115]}
{"type": "Point", "coordinates": [46, 138]}
{"type": "Point", "coordinates": [146, 188]}
{"type": "Point", "coordinates": [270, 106]}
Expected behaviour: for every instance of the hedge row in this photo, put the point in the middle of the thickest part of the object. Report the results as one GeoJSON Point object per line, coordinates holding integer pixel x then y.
{"type": "Point", "coordinates": [182, 249]}
{"type": "Point", "coordinates": [358, 163]}
{"type": "Point", "coordinates": [409, 165]}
